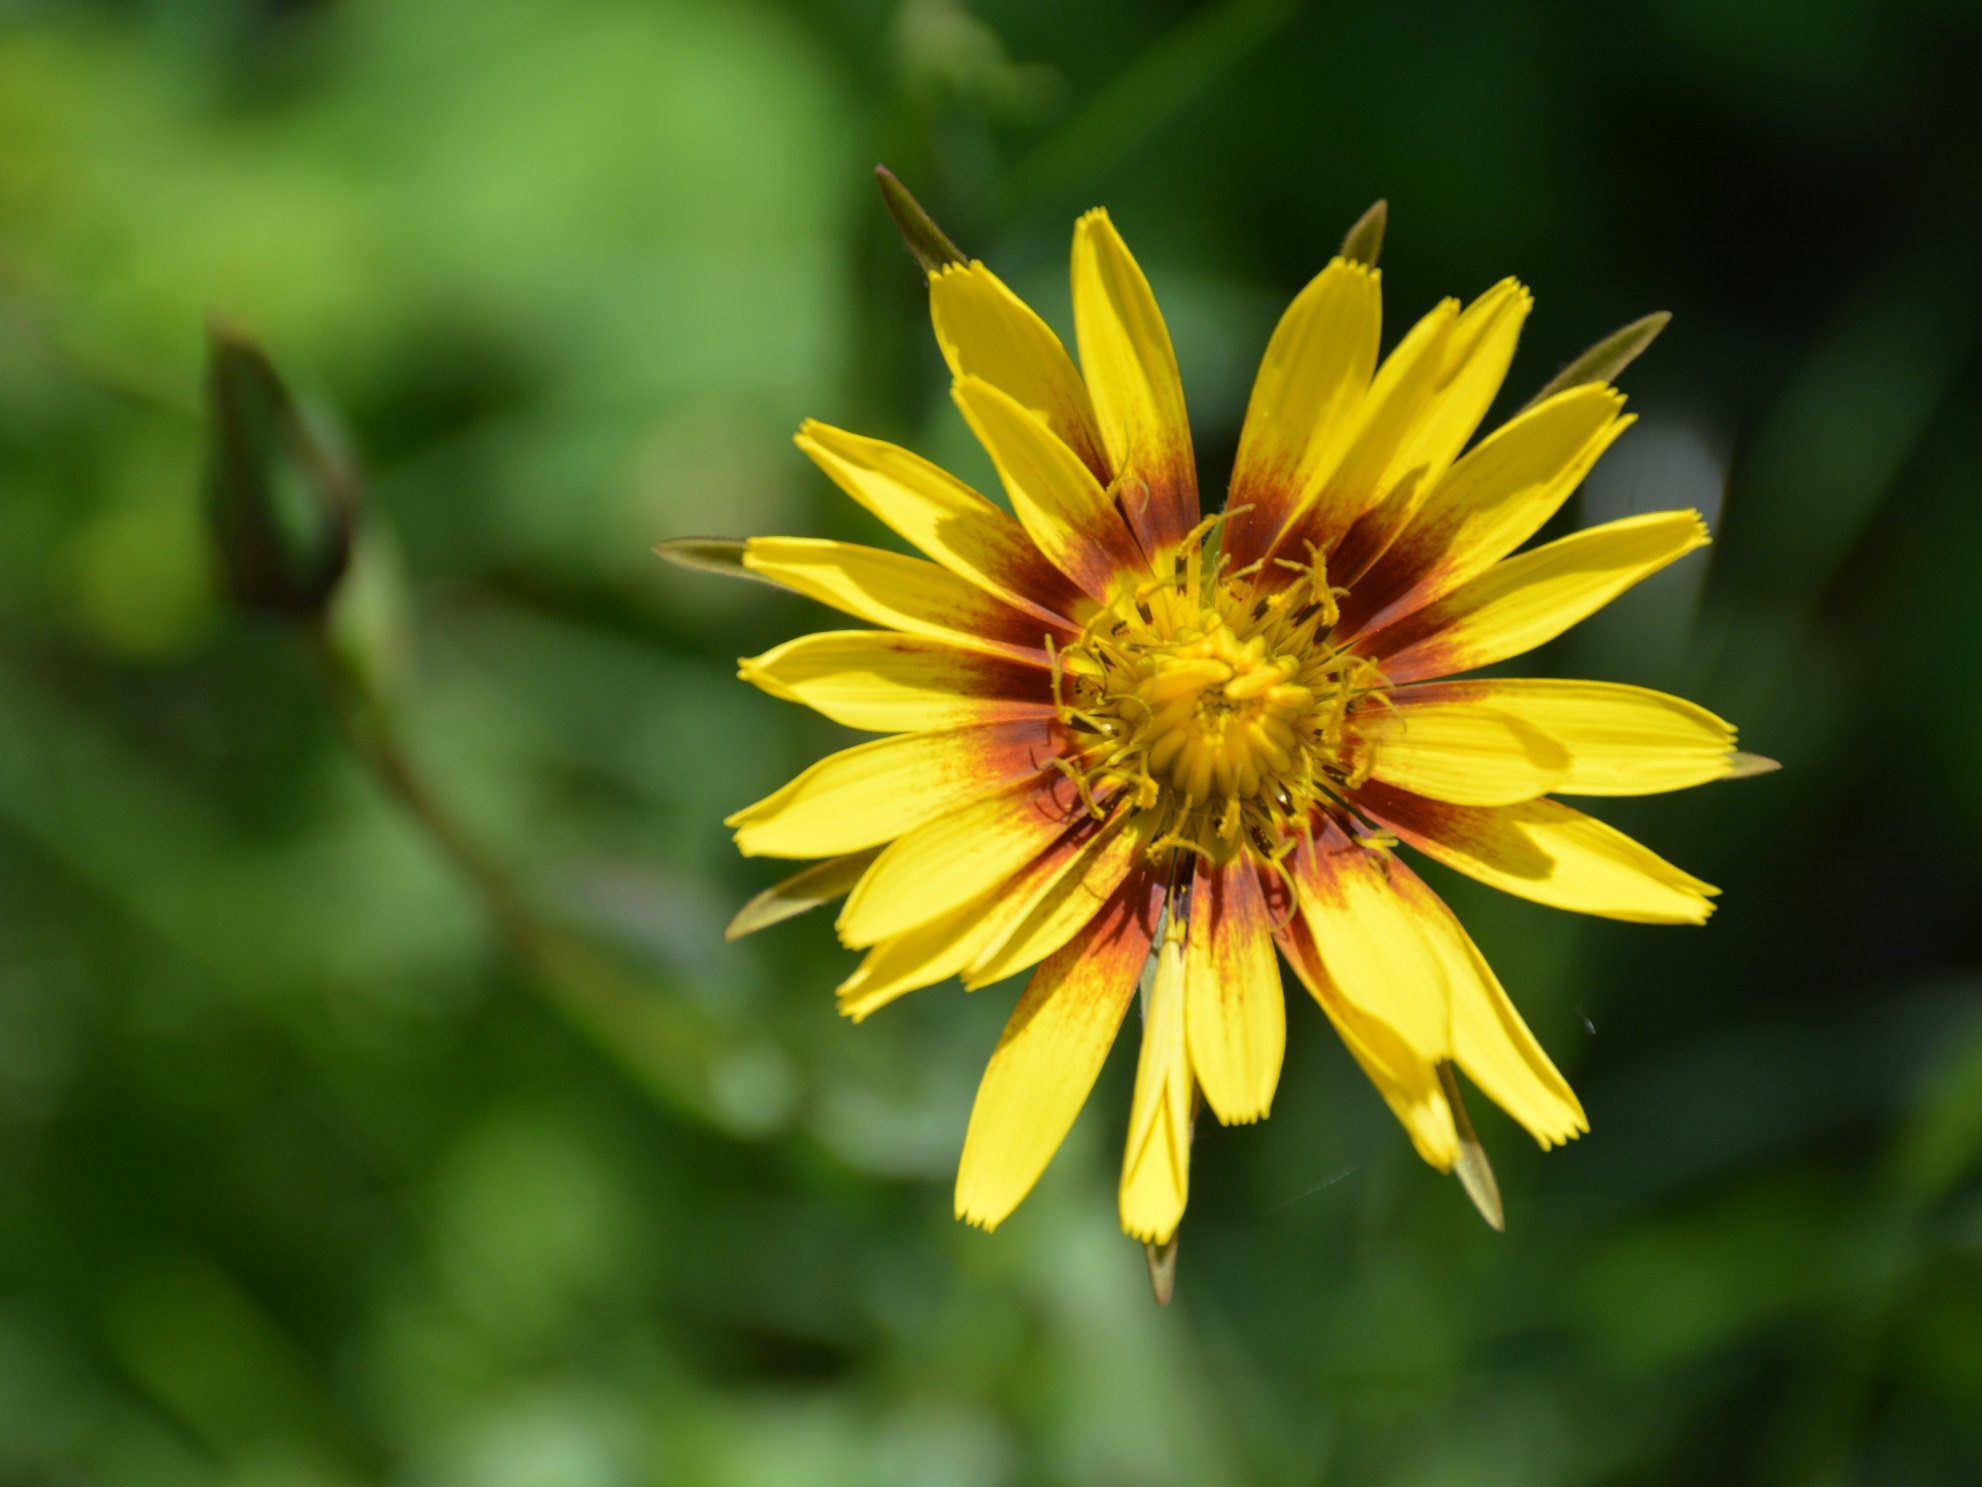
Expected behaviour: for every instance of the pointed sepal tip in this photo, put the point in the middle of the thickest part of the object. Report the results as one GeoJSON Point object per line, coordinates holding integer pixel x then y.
{"type": "Point", "coordinates": [927, 243]}
{"type": "Point", "coordinates": [1162, 1261]}
{"type": "Point", "coordinates": [1474, 1171]}
{"type": "Point", "coordinates": [1364, 241]}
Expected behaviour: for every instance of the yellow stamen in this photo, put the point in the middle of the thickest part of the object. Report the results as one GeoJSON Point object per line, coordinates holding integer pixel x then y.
{"type": "Point", "coordinates": [1215, 704]}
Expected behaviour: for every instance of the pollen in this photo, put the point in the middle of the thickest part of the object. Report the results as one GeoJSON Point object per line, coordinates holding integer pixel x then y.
{"type": "Point", "coordinates": [1212, 705]}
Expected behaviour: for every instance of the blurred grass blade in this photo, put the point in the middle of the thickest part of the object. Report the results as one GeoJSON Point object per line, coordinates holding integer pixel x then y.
{"type": "Point", "coordinates": [1745, 766]}
{"type": "Point", "coordinates": [818, 884]}
{"type": "Point", "coordinates": [723, 555]}
{"type": "Point", "coordinates": [1940, 1144]}
{"type": "Point", "coordinates": [927, 243]}
{"type": "Point", "coordinates": [1474, 1171]}
{"type": "Point", "coordinates": [1363, 242]}
{"type": "Point", "coordinates": [1834, 445]}
{"type": "Point", "coordinates": [1162, 1260]}
{"type": "Point", "coordinates": [1184, 65]}
{"type": "Point", "coordinates": [282, 500]}
{"type": "Point", "coordinates": [1609, 357]}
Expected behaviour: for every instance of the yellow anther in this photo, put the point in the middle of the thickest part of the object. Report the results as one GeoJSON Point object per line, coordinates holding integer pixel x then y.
{"type": "Point", "coordinates": [1184, 679]}
{"type": "Point", "coordinates": [1253, 683]}
{"type": "Point", "coordinates": [1229, 820]}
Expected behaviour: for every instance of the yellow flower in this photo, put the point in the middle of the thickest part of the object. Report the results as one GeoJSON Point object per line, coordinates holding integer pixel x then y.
{"type": "Point", "coordinates": [1119, 736]}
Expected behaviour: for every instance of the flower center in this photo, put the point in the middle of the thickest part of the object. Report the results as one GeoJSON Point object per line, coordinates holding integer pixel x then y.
{"type": "Point", "coordinates": [1215, 706]}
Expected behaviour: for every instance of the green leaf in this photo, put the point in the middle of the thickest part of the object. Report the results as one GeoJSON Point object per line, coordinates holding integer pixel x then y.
{"type": "Point", "coordinates": [927, 243]}
{"type": "Point", "coordinates": [1363, 242]}
{"type": "Point", "coordinates": [1609, 357]}
{"type": "Point", "coordinates": [1941, 1143]}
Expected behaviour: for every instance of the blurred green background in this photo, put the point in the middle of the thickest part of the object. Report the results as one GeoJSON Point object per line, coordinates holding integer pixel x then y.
{"type": "Point", "coordinates": [307, 1178]}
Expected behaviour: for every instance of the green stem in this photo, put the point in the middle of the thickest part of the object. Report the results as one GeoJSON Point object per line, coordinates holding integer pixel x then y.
{"type": "Point", "coordinates": [651, 1038]}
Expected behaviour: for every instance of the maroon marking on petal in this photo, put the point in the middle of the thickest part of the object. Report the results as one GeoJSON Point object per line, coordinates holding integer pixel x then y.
{"type": "Point", "coordinates": [1113, 946]}
{"type": "Point", "coordinates": [1048, 593]}
{"type": "Point", "coordinates": [1491, 834]}
{"type": "Point", "coordinates": [1158, 497]}
{"type": "Point", "coordinates": [1268, 494]}
{"type": "Point", "coordinates": [1411, 648]}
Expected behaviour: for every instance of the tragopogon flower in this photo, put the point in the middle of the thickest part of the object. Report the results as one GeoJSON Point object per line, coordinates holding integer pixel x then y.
{"type": "Point", "coordinates": [1121, 735]}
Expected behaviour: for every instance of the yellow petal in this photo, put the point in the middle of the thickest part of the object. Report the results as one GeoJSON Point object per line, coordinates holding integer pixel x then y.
{"type": "Point", "coordinates": [1473, 363]}
{"type": "Point", "coordinates": [948, 944]}
{"type": "Point", "coordinates": [942, 516]}
{"type": "Point", "coordinates": [1489, 1039]}
{"type": "Point", "coordinates": [1306, 405]}
{"type": "Point", "coordinates": [874, 792]}
{"type": "Point", "coordinates": [1156, 1167]}
{"type": "Point", "coordinates": [1407, 1080]}
{"type": "Point", "coordinates": [1533, 597]}
{"type": "Point", "coordinates": [1477, 356]}
{"type": "Point", "coordinates": [1394, 406]}
{"type": "Point", "coordinates": [919, 957]}
{"type": "Point", "coordinates": [1235, 1015]}
{"type": "Point", "coordinates": [902, 593]}
{"type": "Point", "coordinates": [945, 863]}
{"type": "Point", "coordinates": [1057, 498]}
{"type": "Point", "coordinates": [1488, 504]}
{"type": "Point", "coordinates": [1132, 376]}
{"type": "Point", "coordinates": [1545, 851]}
{"type": "Point", "coordinates": [1621, 740]}
{"type": "Point", "coordinates": [987, 331]}
{"type": "Point", "coordinates": [1373, 945]}
{"type": "Point", "coordinates": [1460, 751]}
{"type": "Point", "coordinates": [1025, 939]}
{"type": "Point", "coordinates": [1051, 1053]}
{"type": "Point", "coordinates": [886, 683]}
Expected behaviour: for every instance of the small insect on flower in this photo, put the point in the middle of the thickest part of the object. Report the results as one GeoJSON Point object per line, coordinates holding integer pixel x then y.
{"type": "Point", "coordinates": [1120, 736]}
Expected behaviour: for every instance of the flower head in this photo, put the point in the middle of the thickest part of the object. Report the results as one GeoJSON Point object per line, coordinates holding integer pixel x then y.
{"type": "Point", "coordinates": [1126, 745]}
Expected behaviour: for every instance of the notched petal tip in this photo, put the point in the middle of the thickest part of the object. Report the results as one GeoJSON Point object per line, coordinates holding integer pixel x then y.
{"type": "Point", "coordinates": [1549, 1141]}
{"type": "Point", "coordinates": [754, 669]}
{"type": "Point", "coordinates": [977, 1218]}
{"type": "Point", "coordinates": [1241, 1117]}
{"type": "Point", "coordinates": [1149, 1235]}
{"type": "Point", "coordinates": [957, 269]}
{"type": "Point", "coordinates": [1508, 293]}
